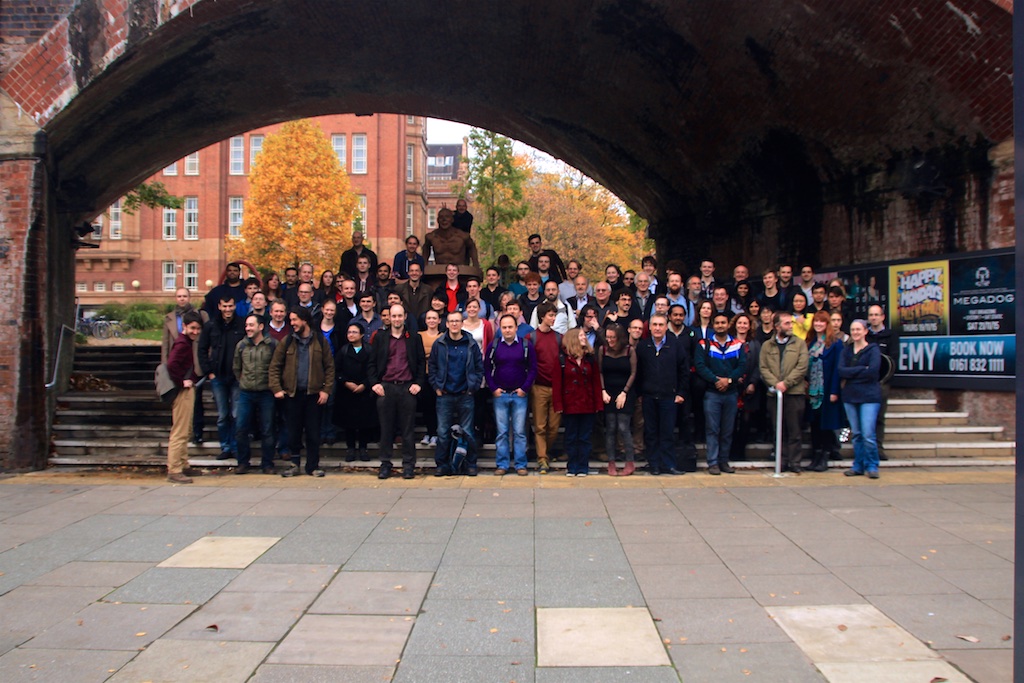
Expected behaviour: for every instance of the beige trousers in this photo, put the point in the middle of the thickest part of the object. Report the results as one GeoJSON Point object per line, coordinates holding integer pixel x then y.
{"type": "Point", "coordinates": [545, 419]}
{"type": "Point", "coordinates": [181, 430]}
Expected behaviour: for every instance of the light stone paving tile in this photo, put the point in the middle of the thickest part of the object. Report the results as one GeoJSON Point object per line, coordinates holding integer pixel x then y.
{"type": "Point", "coordinates": [891, 672]}
{"type": "Point", "coordinates": [597, 588]}
{"type": "Point", "coordinates": [283, 578]}
{"type": "Point", "coordinates": [852, 634]}
{"type": "Point", "coordinates": [110, 574]}
{"type": "Point", "coordinates": [81, 666]}
{"type": "Point", "coordinates": [743, 663]}
{"type": "Point", "coordinates": [688, 581]}
{"type": "Point", "coordinates": [103, 626]}
{"type": "Point", "coordinates": [460, 628]}
{"type": "Point", "coordinates": [174, 661]}
{"type": "Point", "coordinates": [384, 593]}
{"type": "Point", "coordinates": [419, 668]}
{"type": "Point", "coordinates": [222, 552]}
{"type": "Point", "coordinates": [174, 585]}
{"type": "Point", "coordinates": [264, 617]}
{"type": "Point", "coordinates": [300, 673]}
{"type": "Point", "coordinates": [332, 640]}
{"type": "Point", "coordinates": [595, 637]}
{"type": "Point", "coordinates": [985, 666]}
{"type": "Point", "coordinates": [939, 619]}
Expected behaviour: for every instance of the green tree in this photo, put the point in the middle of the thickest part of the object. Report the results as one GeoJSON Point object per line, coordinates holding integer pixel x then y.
{"type": "Point", "coordinates": [300, 203]}
{"type": "Point", "coordinates": [153, 195]}
{"type": "Point", "coordinates": [496, 182]}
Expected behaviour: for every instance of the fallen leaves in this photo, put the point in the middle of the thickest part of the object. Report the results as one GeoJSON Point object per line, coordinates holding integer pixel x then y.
{"type": "Point", "coordinates": [842, 627]}
{"type": "Point", "coordinates": [969, 639]}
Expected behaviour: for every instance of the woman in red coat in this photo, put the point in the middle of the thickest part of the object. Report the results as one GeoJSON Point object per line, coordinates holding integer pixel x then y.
{"type": "Point", "coordinates": [579, 400]}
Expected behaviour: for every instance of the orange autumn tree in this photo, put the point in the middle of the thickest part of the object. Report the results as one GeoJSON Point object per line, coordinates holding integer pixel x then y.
{"type": "Point", "coordinates": [300, 202]}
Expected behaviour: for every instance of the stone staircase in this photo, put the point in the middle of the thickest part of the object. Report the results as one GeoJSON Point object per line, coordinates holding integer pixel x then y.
{"type": "Point", "coordinates": [129, 426]}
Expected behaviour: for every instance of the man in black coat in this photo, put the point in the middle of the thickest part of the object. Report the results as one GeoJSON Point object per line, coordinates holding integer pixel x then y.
{"type": "Point", "coordinates": [217, 344]}
{"type": "Point", "coordinates": [664, 369]}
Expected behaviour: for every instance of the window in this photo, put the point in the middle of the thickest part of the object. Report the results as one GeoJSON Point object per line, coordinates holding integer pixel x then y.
{"type": "Point", "coordinates": [338, 143]}
{"type": "Point", "coordinates": [115, 220]}
{"type": "Point", "coordinates": [170, 224]}
{"type": "Point", "coordinates": [237, 155]}
{"type": "Point", "coordinates": [170, 278]}
{"type": "Point", "coordinates": [81, 286]}
{"type": "Point", "coordinates": [431, 219]}
{"type": "Point", "coordinates": [117, 287]}
{"type": "Point", "coordinates": [192, 164]}
{"type": "Point", "coordinates": [234, 216]}
{"type": "Point", "coordinates": [410, 163]}
{"type": "Point", "coordinates": [99, 286]}
{"type": "Point", "coordinates": [410, 220]}
{"type": "Point", "coordinates": [359, 153]}
{"type": "Point", "coordinates": [192, 275]}
{"type": "Point", "coordinates": [255, 147]}
{"type": "Point", "coordinates": [362, 212]}
{"type": "Point", "coordinates": [171, 169]}
{"type": "Point", "coordinates": [97, 228]}
{"type": "Point", "coordinates": [411, 120]}
{"type": "Point", "coordinates": [191, 218]}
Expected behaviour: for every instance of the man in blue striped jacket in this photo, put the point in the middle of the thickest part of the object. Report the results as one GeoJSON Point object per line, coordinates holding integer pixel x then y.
{"type": "Point", "coordinates": [720, 362]}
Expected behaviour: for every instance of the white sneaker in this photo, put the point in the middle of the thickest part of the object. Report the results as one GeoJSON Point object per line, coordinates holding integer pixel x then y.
{"type": "Point", "coordinates": [433, 441]}
{"type": "Point", "coordinates": [582, 474]}
{"type": "Point", "coordinates": [569, 474]}
{"type": "Point", "coordinates": [425, 440]}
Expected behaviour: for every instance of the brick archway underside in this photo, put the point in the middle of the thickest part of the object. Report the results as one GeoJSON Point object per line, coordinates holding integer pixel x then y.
{"type": "Point", "coordinates": [664, 102]}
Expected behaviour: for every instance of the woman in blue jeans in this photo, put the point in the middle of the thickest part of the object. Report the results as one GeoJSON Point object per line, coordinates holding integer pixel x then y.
{"type": "Point", "coordinates": [859, 366]}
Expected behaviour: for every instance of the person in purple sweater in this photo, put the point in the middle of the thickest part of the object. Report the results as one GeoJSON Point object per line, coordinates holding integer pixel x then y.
{"type": "Point", "coordinates": [510, 367]}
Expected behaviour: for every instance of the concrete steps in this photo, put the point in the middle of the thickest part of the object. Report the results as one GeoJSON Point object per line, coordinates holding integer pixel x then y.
{"type": "Point", "coordinates": [130, 427]}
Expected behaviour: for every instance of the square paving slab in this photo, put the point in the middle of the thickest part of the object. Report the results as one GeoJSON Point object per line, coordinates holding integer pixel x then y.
{"type": "Point", "coordinates": [221, 552]}
{"type": "Point", "coordinates": [336, 640]}
{"type": "Point", "coordinates": [603, 636]}
{"type": "Point", "coordinates": [171, 661]}
{"type": "Point", "coordinates": [891, 672]}
{"type": "Point", "coordinates": [849, 634]}
{"type": "Point", "coordinates": [80, 666]}
{"type": "Point", "coordinates": [103, 626]}
{"type": "Point", "coordinates": [394, 593]}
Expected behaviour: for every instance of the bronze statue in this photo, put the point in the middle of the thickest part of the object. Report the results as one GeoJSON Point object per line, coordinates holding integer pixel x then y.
{"type": "Point", "coordinates": [449, 245]}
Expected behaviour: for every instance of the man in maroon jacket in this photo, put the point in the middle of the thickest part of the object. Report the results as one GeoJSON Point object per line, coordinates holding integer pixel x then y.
{"type": "Point", "coordinates": [181, 368]}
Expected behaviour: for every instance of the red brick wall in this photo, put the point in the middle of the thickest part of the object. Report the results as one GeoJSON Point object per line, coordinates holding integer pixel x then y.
{"type": "Point", "coordinates": [23, 309]}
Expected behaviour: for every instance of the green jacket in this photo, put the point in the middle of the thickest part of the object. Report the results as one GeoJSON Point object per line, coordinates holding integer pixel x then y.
{"type": "Point", "coordinates": [284, 366]}
{"type": "Point", "coordinates": [788, 365]}
{"type": "Point", "coordinates": [252, 363]}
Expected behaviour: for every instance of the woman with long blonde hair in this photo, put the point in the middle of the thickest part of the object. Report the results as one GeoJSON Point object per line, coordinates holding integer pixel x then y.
{"type": "Point", "coordinates": [579, 401]}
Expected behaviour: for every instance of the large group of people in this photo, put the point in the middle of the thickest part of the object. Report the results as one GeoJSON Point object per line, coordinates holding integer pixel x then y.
{"type": "Point", "coordinates": [669, 358]}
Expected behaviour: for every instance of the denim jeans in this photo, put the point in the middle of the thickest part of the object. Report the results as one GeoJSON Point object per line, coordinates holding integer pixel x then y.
{"type": "Point", "coordinates": [862, 417]}
{"type": "Point", "coordinates": [659, 432]}
{"type": "Point", "coordinates": [225, 393]}
{"type": "Point", "coordinates": [510, 415]}
{"type": "Point", "coordinates": [451, 409]}
{"type": "Point", "coordinates": [281, 429]}
{"type": "Point", "coordinates": [258, 405]}
{"type": "Point", "coordinates": [577, 442]}
{"type": "Point", "coordinates": [720, 420]}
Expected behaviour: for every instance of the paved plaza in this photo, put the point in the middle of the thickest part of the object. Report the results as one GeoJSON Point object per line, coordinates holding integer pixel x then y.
{"type": "Point", "coordinates": [124, 577]}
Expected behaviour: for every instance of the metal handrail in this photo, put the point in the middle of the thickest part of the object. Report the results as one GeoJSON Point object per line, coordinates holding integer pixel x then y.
{"type": "Point", "coordinates": [60, 343]}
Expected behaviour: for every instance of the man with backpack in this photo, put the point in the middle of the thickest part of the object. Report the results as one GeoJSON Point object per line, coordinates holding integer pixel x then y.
{"type": "Point", "coordinates": [456, 372]}
{"type": "Point", "coordinates": [510, 368]}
